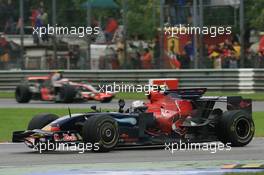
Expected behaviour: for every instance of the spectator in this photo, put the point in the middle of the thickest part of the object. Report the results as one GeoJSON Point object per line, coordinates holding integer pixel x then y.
{"type": "Point", "coordinates": [34, 16]}
{"type": "Point", "coordinates": [176, 11]}
{"type": "Point", "coordinates": [4, 59]}
{"type": "Point", "coordinates": [181, 12]}
{"type": "Point", "coordinates": [39, 22]}
{"type": "Point", "coordinates": [261, 53]}
{"type": "Point", "coordinates": [174, 62]}
{"type": "Point", "coordinates": [4, 55]}
{"type": "Point", "coordinates": [74, 55]}
{"type": "Point", "coordinates": [156, 52]}
{"type": "Point", "coordinates": [172, 12]}
{"type": "Point", "coordinates": [233, 62]}
{"type": "Point", "coordinates": [235, 56]}
{"type": "Point", "coordinates": [184, 60]}
{"type": "Point", "coordinates": [19, 25]}
{"type": "Point", "coordinates": [189, 50]}
{"type": "Point", "coordinates": [44, 21]}
{"type": "Point", "coordinates": [237, 49]}
{"type": "Point", "coordinates": [134, 58]}
{"type": "Point", "coordinates": [215, 54]}
{"type": "Point", "coordinates": [120, 52]}
{"type": "Point", "coordinates": [10, 24]}
{"type": "Point", "coordinates": [228, 54]}
{"type": "Point", "coordinates": [110, 29]}
{"type": "Point", "coordinates": [118, 33]}
{"type": "Point", "coordinates": [95, 23]}
{"type": "Point", "coordinates": [114, 59]}
{"type": "Point", "coordinates": [261, 60]}
{"type": "Point", "coordinates": [189, 12]}
{"type": "Point", "coordinates": [146, 59]}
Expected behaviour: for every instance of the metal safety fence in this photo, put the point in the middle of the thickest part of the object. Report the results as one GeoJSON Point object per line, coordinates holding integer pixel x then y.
{"type": "Point", "coordinates": [214, 80]}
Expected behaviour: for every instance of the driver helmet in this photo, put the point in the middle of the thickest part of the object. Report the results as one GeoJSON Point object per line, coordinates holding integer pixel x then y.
{"type": "Point", "coordinates": [137, 104]}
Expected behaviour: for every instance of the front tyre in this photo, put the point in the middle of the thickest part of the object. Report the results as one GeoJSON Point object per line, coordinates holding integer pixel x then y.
{"type": "Point", "coordinates": [38, 122]}
{"type": "Point", "coordinates": [236, 127]}
{"type": "Point", "coordinates": [41, 120]}
{"type": "Point", "coordinates": [23, 94]}
{"type": "Point", "coordinates": [101, 130]}
{"type": "Point", "coordinates": [67, 93]}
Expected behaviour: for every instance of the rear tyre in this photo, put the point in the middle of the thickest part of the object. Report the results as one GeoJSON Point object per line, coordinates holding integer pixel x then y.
{"type": "Point", "coordinates": [67, 93]}
{"type": "Point", "coordinates": [101, 130]}
{"type": "Point", "coordinates": [236, 127]}
{"type": "Point", "coordinates": [23, 94]}
{"type": "Point", "coordinates": [41, 120]}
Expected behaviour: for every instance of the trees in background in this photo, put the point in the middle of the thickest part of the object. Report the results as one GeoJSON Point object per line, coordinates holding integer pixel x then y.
{"type": "Point", "coordinates": [142, 16]}
{"type": "Point", "coordinates": [254, 11]}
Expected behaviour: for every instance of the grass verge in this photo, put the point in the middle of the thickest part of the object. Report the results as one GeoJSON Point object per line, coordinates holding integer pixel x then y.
{"type": "Point", "coordinates": [7, 95]}
{"type": "Point", "coordinates": [17, 119]}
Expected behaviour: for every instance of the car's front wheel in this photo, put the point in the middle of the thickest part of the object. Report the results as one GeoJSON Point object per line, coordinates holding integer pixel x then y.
{"type": "Point", "coordinates": [101, 130]}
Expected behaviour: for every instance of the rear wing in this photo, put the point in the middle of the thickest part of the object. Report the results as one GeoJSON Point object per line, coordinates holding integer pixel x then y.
{"type": "Point", "coordinates": [232, 102]}
{"type": "Point", "coordinates": [194, 93]}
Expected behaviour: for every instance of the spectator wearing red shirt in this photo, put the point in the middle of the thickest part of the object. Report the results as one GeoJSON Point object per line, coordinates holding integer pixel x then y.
{"type": "Point", "coordinates": [34, 15]}
{"type": "Point", "coordinates": [110, 29]}
{"type": "Point", "coordinates": [146, 59]}
{"type": "Point", "coordinates": [261, 53]}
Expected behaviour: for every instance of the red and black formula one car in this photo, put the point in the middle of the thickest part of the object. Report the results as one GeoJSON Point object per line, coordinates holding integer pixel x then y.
{"type": "Point", "coordinates": [41, 88]}
{"type": "Point", "coordinates": [177, 115]}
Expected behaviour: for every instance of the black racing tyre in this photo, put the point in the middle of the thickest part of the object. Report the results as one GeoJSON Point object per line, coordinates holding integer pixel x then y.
{"type": "Point", "coordinates": [101, 130]}
{"type": "Point", "coordinates": [41, 120]}
{"type": "Point", "coordinates": [106, 100]}
{"type": "Point", "coordinates": [23, 94]}
{"type": "Point", "coordinates": [67, 93]}
{"type": "Point", "coordinates": [236, 127]}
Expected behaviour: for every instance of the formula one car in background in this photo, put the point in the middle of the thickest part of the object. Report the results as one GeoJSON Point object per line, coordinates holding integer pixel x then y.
{"type": "Point", "coordinates": [177, 115]}
{"type": "Point", "coordinates": [40, 88]}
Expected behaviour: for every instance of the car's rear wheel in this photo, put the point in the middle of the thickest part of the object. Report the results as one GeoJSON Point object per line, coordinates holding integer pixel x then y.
{"type": "Point", "coordinates": [67, 93]}
{"type": "Point", "coordinates": [101, 130]}
{"type": "Point", "coordinates": [236, 127]}
{"type": "Point", "coordinates": [23, 94]}
{"type": "Point", "coordinates": [41, 120]}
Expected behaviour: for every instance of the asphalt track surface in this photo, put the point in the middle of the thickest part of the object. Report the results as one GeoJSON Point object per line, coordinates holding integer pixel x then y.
{"type": "Point", "coordinates": [18, 159]}
{"type": "Point", "coordinates": [11, 103]}
{"type": "Point", "coordinates": [20, 155]}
